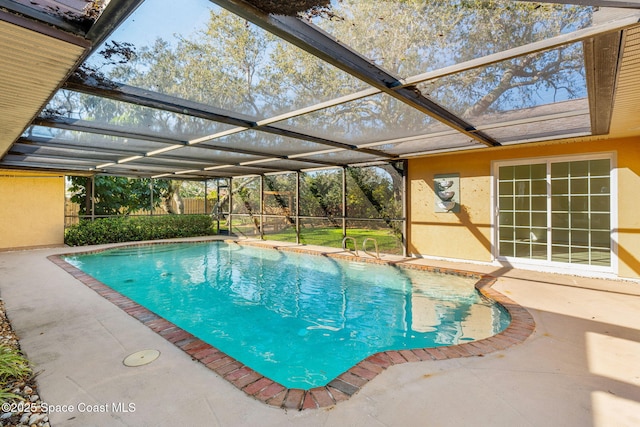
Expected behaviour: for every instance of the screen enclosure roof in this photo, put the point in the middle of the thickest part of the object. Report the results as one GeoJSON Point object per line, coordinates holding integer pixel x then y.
{"type": "Point", "coordinates": [228, 88]}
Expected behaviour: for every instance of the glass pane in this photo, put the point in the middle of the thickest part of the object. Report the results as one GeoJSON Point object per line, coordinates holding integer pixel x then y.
{"type": "Point", "coordinates": [560, 186]}
{"type": "Point", "coordinates": [507, 233]}
{"type": "Point", "coordinates": [600, 203]}
{"type": "Point", "coordinates": [600, 167]}
{"type": "Point", "coordinates": [560, 237]}
{"type": "Point", "coordinates": [600, 185]}
{"type": "Point", "coordinates": [560, 170]}
{"type": "Point", "coordinates": [579, 168]}
{"type": "Point", "coordinates": [600, 257]}
{"type": "Point", "coordinates": [601, 239]}
{"type": "Point", "coordinates": [538, 235]}
{"type": "Point", "coordinates": [579, 255]}
{"type": "Point", "coordinates": [580, 220]}
{"type": "Point", "coordinates": [505, 203]}
{"type": "Point", "coordinates": [522, 219]}
{"type": "Point", "coordinates": [523, 203]}
{"type": "Point", "coordinates": [539, 251]}
{"type": "Point", "coordinates": [506, 172]}
{"type": "Point", "coordinates": [539, 187]}
{"type": "Point", "coordinates": [507, 249]}
{"type": "Point", "coordinates": [539, 203]}
{"type": "Point", "coordinates": [559, 203]}
{"type": "Point", "coordinates": [560, 220]}
{"type": "Point", "coordinates": [522, 188]}
{"type": "Point", "coordinates": [523, 250]}
{"type": "Point", "coordinates": [539, 172]}
{"type": "Point", "coordinates": [506, 188]}
{"type": "Point", "coordinates": [579, 238]}
{"type": "Point", "coordinates": [539, 219]}
{"type": "Point", "coordinates": [579, 186]}
{"type": "Point", "coordinates": [579, 203]}
{"type": "Point", "coordinates": [506, 218]}
{"type": "Point", "coordinates": [560, 253]}
{"type": "Point", "coordinates": [600, 221]}
{"type": "Point", "coordinates": [523, 172]}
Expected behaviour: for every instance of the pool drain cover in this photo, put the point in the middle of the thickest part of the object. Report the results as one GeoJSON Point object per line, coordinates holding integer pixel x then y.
{"type": "Point", "coordinates": [140, 358]}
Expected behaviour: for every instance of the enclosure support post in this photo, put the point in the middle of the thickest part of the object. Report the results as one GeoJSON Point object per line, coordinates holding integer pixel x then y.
{"type": "Point", "coordinates": [261, 207]}
{"type": "Point", "coordinates": [205, 197]}
{"type": "Point", "coordinates": [151, 197]}
{"type": "Point", "coordinates": [230, 190]}
{"type": "Point", "coordinates": [297, 208]}
{"type": "Point", "coordinates": [404, 209]}
{"type": "Point", "coordinates": [93, 198]}
{"type": "Point", "coordinates": [217, 204]}
{"type": "Point", "coordinates": [344, 202]}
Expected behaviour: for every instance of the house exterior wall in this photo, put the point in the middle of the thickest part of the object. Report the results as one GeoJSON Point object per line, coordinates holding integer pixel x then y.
{"type": "Point", "coordinates": [31, 209]}
{"type": "Point", "coordinates": [468, 234]}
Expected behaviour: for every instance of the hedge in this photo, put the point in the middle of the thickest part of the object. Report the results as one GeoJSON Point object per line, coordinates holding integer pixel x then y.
{"type": "Point", "coordinates": [132, 229]}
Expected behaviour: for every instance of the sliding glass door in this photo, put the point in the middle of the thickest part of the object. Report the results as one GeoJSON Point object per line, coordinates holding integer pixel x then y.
{"type": "Point", "coordinates": [556, 211]}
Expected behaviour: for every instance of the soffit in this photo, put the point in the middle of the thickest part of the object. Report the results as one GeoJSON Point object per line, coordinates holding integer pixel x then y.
{"type": "Point", "coordinates": [32, 67]}
{"type": "Point", "coordinates": [626, 120]}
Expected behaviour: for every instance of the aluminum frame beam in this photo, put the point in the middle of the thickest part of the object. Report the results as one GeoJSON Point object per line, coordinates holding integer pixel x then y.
{"type": "Point", "coordinates": [133, 95]}
{"type": "Point", "coordinates": [112, 130]}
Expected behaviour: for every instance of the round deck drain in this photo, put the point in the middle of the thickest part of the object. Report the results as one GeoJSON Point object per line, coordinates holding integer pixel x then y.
{"type": "Point", "coordinates": [140, 358]}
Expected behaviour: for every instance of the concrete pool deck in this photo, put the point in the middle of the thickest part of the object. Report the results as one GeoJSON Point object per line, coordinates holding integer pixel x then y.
{"type": "Point", "coordinates": [581, 366]}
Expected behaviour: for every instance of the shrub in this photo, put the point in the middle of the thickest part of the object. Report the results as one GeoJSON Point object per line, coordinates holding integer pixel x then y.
{"type": "Point", "coordinates": [13, 367]}
{"type": "Point", "coordinates": [132, 229]}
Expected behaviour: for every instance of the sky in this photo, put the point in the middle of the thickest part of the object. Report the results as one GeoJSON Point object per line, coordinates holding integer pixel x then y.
{"type": "Point", "coordinates": [162, 19]}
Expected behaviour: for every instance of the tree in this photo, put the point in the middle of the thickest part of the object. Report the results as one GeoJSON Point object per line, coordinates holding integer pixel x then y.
{"type": "Point", "coordinates": [116, 195]}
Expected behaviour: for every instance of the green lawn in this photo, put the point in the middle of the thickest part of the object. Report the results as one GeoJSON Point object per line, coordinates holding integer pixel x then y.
{"type": "Point", "coordinates": [332, 237]}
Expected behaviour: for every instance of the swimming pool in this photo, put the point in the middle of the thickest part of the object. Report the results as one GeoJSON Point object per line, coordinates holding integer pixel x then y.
{"type": "Point", "coordinates": [298, 319]}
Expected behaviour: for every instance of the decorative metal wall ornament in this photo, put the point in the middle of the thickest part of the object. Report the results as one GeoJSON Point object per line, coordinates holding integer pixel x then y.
{"type": "Point", "coordinates": [447, 192]}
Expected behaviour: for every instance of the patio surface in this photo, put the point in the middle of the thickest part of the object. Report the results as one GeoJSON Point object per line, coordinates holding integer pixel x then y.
{"type": "Point", "coordinates": [581, 366]}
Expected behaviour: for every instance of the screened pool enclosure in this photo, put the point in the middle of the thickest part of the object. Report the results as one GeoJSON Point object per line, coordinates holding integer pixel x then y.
{"type": "Point", "coordinates": [305, 120]}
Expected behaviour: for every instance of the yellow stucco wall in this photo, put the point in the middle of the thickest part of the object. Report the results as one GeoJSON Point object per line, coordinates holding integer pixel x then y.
{"type": "Point", "coordinates": [467, 235]}
{"type": "Point", "coordinates": [31, 209]}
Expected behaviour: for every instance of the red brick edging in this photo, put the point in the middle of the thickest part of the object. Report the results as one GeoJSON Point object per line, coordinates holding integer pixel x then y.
{"type": "Point", "coordinates": [344, 386]}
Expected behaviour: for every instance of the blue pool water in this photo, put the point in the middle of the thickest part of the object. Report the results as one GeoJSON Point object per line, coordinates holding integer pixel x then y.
{"type": "Point", "coordinates": [298, 319]}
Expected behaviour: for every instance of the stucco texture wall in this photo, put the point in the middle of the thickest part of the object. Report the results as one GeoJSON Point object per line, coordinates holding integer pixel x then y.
{"type": "Point", "coordinates": [467, 235]}
{"type": "Point", "coordinates": [31, 209]}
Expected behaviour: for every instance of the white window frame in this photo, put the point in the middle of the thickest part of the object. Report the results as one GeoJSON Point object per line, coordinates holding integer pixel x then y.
{"type": "Point", "coordinates": [548, 265]}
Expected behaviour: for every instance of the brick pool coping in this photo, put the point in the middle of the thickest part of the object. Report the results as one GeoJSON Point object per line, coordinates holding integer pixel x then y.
{"type": "Point", "coordinates": [345, 385]}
